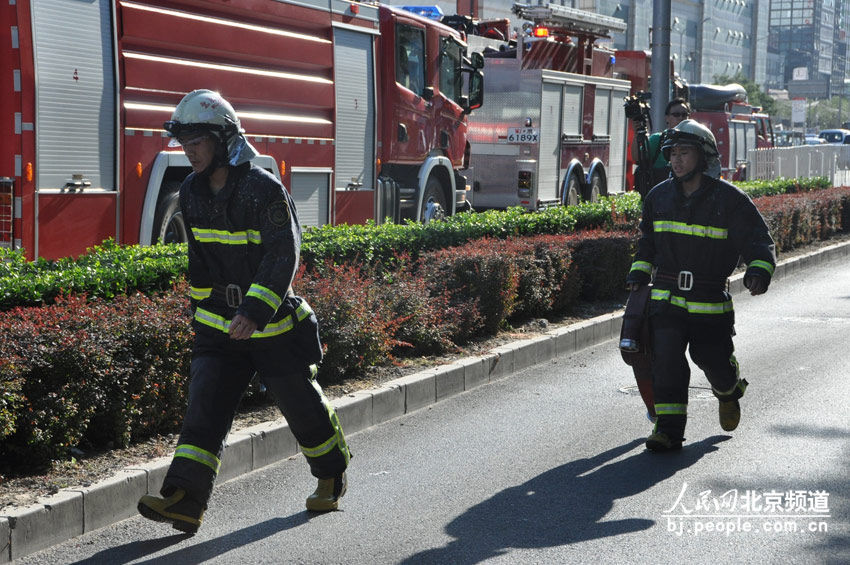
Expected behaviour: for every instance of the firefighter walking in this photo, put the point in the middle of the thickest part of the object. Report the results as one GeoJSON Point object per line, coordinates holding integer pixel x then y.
{"type": "Point", "coordinates": [244, 244]}
{"type": "Point", "coordinates": [694, 230]}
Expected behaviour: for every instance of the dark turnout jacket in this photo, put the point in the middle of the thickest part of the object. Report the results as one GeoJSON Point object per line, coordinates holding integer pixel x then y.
{"type": "Point", "coordinates": [695, 243]}
{"type": "Point", "coordinates": [245, 237]}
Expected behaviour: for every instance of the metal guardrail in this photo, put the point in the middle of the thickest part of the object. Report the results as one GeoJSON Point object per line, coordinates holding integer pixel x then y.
{"type": "Point", "coordinates": [832, 161]}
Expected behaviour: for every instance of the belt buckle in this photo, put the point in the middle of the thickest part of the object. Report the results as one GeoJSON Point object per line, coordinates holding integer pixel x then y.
{"type": "Point", "coordinates": [233, 294]}
{"type": "Point", "coordinates": [686, 280]}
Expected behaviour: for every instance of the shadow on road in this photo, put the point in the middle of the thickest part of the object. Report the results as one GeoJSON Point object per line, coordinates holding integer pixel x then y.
{"type": "Point", "coordinates": [562, 506]}
{"type": "Point", "coordinates": [195, 553]}
{"type": "Point", "coordinates": [833, 548]}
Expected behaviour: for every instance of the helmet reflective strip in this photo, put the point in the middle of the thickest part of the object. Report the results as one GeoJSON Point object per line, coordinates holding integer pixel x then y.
{"type": "Point", "coordinates": [273, 329]}
{"type": "Point", "coordinates": [669, 409]}
{"type": "Point", "coordinates": [226, 237]}
{"type": "Point", "coordinates": [690, 229]}
{"type": "Point", "coordinates": [266, 295]}
{"type": "Point", "coordinates": [690, 306]}
{"type": "Point", "coordinates": [763, 265]}
{"type": "Point", "coordinates": [642, 266]}
{"type": "Point", "coordinates": [199, 293]}
{"type": "Point", "coordinates": [202, 456]}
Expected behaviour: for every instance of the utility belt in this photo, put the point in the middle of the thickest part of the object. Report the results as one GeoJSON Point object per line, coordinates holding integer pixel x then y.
{"type": "Point", "coordinates": [686, 280]}
{"type": "Point", "coordinates": [232, 294]}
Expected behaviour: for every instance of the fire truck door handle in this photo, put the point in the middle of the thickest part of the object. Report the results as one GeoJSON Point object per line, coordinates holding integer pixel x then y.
{"type": "Point", "coordinates": [402, 132]}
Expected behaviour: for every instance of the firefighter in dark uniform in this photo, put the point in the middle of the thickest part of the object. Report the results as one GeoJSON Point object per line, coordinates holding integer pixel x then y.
{"type": "Point", "coordinates": [244, 244]}
{"type": "Point", "coordinates": [694, 231]}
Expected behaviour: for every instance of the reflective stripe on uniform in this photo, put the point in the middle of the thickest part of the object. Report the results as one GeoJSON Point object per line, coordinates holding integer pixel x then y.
{"type": "Point", "coordinates": [266, 295]}
{"type": "Point", "coordinates": [338, 439]}
{"type": "Point", "coordinates": [226, 237]}
{"type": "Point", "coordinates": [669, 409]}
{"type": "Point", "coordinates": [691, 306]}
{"type": "Point", "coordinates": [690, 229]}
{"type": "Point", "coordinates": [642, 266]}
{"type": "Point", "coordinates": [739, 384]}
{"type": "Point", "coordinates": [321, 449]}
{"type": "Point", "coordinates": [198, 455]}
{"type": "Point", "coordinates": [763, 265]}
{"type": "Point", "coordinates": [199, 293]}
{"type": "Point", "coordinates": [272, 329]}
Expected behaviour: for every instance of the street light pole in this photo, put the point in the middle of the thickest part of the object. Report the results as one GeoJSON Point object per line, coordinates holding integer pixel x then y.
{"type": "Point", "coordinates": [844, 84]}
{"type": "Point", "coordinates": [660, 48]}
{"type": "Point", "coordinates": [681, 30]}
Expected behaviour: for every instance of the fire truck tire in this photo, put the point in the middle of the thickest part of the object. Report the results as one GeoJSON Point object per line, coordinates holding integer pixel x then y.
{"type": "Point", "coordinates": [169, 226]}
{"type": "Point", "coordinates": [433, 201]}
{"type": "Point", "coordinates": [596, 188]}
{"type": "Point", "coordinates": [572, 191]}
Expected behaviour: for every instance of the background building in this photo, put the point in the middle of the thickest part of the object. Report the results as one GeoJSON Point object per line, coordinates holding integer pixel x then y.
{"type": "Point", "coordinates": [767, 41]}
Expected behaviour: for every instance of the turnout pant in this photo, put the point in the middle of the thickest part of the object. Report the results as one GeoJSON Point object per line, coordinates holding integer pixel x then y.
{"type": "Point", "coordinates": [219, 377]}
{"type": "Point", "coordinates": [710, 346]}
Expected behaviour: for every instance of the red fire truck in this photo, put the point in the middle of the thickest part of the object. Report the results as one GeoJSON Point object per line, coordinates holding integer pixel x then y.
{"type": "Point", "coordinates": [553, 128]}
{"type": "Point", "coordinates": [361, 109]}
{"type": "Point", "coordinates": [737, 126]}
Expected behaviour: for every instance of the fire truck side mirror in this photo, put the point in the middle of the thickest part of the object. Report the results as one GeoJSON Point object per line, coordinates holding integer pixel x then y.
{"type": "Point", "coordinates": [477, 60]}
{"type": "Point", "coordinates": [476, 92]}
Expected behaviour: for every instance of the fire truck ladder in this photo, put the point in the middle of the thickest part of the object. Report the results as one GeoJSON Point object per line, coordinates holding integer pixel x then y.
{"type": "Point", "coordinates": [570, 21]}
{"type": "Point", "coordinates": [563, 23]}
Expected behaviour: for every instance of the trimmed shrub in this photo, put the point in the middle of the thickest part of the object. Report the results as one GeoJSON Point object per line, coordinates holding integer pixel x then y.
{"type": "Point", "coordinates": [91, 373]}
{"type": "Point", "coordinates": [104, 271]}
{"type": "Point", "coordinates": [800, 219]}
{"type": "Point", "coordinates": [355, 333]}
{"type": "Point", "coordinates": [480, 272]}
{"type": "Point", "coordinates": [604, 260]}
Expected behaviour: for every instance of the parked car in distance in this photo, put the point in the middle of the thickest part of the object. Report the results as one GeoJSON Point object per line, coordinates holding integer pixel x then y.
{"type": "Point", "coordinates": [841, 136]}
{"type": "Point", "coordinates": [814, 140]}
{"type": "Point", "coordinates": [785, 138]}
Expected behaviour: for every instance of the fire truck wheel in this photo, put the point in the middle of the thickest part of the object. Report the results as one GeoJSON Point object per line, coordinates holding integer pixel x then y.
{"type": "Point", "coordinates": [572, 191]}
{"type": "Point", "coordinates": [433, 201]}
{"type": "Point", "coordinates": [596, 188]}
{"type": "Point", "coordinates": [169, 225]}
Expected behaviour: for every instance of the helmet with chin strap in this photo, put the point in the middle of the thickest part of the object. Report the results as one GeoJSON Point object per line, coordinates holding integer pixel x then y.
{"type": "Point", "coordinates": [204, 112]}
{"type": "Point", "coordinates": [691, 133]}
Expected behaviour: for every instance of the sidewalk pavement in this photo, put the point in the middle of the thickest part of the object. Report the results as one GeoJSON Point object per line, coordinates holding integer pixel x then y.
{"type": "Point", "coordinates": [76, 510]}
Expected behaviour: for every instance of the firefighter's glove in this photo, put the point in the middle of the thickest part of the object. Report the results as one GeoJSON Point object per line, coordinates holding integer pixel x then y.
{"type": "Point", "coordinates": [633, 286]}
{"type": "Point", "coordinates": [755, 284]}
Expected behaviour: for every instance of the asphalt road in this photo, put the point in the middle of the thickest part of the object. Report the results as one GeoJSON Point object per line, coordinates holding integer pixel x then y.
{"type": "Point", "coordinates": [548, 466]}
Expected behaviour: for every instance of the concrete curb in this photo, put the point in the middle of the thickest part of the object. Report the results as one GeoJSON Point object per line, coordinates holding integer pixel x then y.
{"type": "Point", "coordinates": [74, 511]}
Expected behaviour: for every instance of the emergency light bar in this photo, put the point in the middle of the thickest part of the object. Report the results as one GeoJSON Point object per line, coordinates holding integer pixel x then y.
{"type": "Point", "coordinates": [430, 12]}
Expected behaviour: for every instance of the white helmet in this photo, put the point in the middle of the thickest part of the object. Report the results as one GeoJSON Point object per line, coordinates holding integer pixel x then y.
{"type": "Point", "coordinates": [205, 111]}
{"type": "Point", "coordinates": [694, 134]}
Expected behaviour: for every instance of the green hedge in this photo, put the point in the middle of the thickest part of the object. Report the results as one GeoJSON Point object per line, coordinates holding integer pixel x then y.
{"type": "Point", "coordinates": [104, 271]}
{"type": "Point", "coordinates": [110, 269]}
{"type": "Point", "coordinates": [759, 188]}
